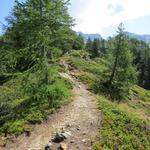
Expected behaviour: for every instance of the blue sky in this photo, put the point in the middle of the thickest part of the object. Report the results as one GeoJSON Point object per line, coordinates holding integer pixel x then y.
{"type": "Point", "coordinates": [5, 7]}
{"type": "Point", "coordinates": [102, 16]}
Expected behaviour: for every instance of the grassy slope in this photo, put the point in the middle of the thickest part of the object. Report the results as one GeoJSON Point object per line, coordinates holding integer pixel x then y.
{"type": "Point", "coordinates": [21, 108]}
{"type": "Point", "coordinates": [122, 129]}
{"type": "Point", "coordinates": [125, 126]}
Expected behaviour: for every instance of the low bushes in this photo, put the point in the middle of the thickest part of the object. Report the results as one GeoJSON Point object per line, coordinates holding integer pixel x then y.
{"type": "Point", "coordinates": [121, 130]}
{"type": "Point", "coordinates": [26, 99]}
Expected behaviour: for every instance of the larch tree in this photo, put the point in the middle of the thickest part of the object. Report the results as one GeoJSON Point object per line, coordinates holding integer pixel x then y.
{"type": "Point", "coordinates": [37, 31]}
{"type": "Point", "coordinates": [36, 28]}
{"type": "Point", "coordinates": [95, 51]}
{"type": "Point", "coordinates": [88, 45]}
{"type": "Point", "coordinates": [78, 42]}
{"type": "Point", "coordinates": [122, 72]}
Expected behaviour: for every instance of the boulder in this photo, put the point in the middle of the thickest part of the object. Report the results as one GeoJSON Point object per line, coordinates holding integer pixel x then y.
{"type": "Point", "coordinates": [59, 137]}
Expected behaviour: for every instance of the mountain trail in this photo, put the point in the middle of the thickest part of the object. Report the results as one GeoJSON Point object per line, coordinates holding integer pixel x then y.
{"type": "Point", "coordinates": [79, 120]}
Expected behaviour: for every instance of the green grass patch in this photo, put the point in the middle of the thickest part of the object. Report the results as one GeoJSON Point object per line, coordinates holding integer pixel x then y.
{"type": "Point", "coordinates": [90, 69]}
{"type": "Point", "coordinates": [122, 130]}
{"type": "Point", "coordinates": [87, 78]}
{"type": "Point", "coordinates": [143, 94]}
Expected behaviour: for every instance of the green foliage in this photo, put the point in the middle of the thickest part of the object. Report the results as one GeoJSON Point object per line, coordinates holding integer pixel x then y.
{"type": "Point", "coordinates": [97, 146]}
{"type": "Point", "coordinates": [121, 76]}
{"type": "Point", "coordinates": [142, 93]}
{"type": "Point", "coordinates": [121, 130]}
{"type": "Point", "coordinates": [34, 115]}
{"type": "Point", "coordinates": [34, 35]}
{"type": "Point", "coordinates": [97, 47]}
{"type": "Point", "coordinates": [38, 33]}
{"type": "Point", "coordinates": [88, 45]}
{"type": "Point", "coordinates": [90, 70]}
{"type": "Point", "coordinates": [81, 61]}
{"type": "Point", "coordinates": [16, 127]}
{"type": "Point", "coordinates": [26, 99]}
{"type": "Point", "coordinates": [95, 51]}
{"type": "Point", "coordinates": [78, 43]}
{"type": "Point", "coordinates": [88, 78]}
{"type": "Point", "coordinates": [141, 55]}
{"type": "Point", "coordinates": [56, 93]}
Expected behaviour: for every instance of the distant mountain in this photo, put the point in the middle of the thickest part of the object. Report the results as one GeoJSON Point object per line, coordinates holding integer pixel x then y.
{"type": "Point", "coordinates": [145, 38]}
{"type": "Point", "coordinates": [91, 36]}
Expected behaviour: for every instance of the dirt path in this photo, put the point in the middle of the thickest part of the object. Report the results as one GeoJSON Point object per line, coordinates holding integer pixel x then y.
{"type": "Point", "coordinates": [80, 119]}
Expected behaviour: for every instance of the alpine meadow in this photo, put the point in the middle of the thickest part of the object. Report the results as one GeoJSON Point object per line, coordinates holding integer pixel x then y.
{"type": "Point", "coordinates": [61, 89]}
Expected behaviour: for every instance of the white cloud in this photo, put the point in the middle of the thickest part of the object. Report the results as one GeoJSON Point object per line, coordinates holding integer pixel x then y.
{"type": "Point", "coordinates": [94, 15]}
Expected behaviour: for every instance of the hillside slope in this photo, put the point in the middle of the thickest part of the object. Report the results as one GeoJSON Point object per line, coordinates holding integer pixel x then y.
{"type": "Point", "coordinates": [80, 120]}
{"type": "Point", "coordinates": [108, 125]}
{"type": "Point", "coordinates": [125, 125]}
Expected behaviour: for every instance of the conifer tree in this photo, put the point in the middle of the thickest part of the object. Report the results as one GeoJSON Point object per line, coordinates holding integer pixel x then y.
{"type": "Point", "coordinates": [36, 28]}
{"type": "Point", "coordinates": [78, 42]}
{"type": "Point", "coordinates": [38, 21]}
{"type": "Point", "coordinates": [141, 53]}
{"type": "Point", "coordinates": [95, 51]}
{"type": "Point", "coordinates": [103, 48]}
{"type": "Point", "coordinates": [123, 74]}
{"type": "Point", "coordinates": [88, 45]}
{"type": "Point", "coordinates": [37, 31]}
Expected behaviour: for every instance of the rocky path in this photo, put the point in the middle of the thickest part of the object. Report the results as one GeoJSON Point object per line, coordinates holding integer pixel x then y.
{"type": "Point", "coordinates": [77, 122]}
